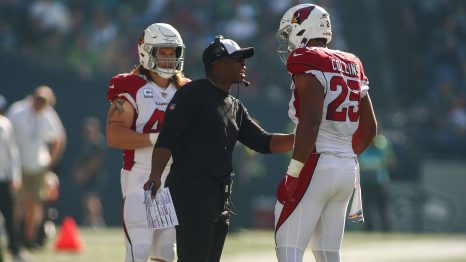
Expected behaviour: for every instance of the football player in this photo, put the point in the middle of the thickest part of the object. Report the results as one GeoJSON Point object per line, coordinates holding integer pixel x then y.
{"type": "Point", "coordinates": [335, 121]}
{"type": "Point", "coordinates": [138, 102]}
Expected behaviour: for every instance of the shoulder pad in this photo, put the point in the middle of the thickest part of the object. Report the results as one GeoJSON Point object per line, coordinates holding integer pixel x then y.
{"type": "Point", "coordinates": [124, 83]}
{"type": "Point", "coordinates": [305, 59]}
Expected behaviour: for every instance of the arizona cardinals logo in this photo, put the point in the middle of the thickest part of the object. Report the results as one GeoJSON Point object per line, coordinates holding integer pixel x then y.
{"type": "Point", "coordinates": [302, 14]}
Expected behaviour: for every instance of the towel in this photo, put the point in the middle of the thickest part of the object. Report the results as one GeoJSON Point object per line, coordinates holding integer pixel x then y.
{"type": "Point", "coordinates": [356, 213]}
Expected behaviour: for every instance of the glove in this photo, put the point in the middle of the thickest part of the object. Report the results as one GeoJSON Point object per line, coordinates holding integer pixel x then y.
{"type": "Point", "coordinates": [286, 189]}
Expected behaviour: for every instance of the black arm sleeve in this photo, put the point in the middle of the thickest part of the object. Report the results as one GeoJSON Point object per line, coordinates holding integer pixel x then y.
{"type": "Point", "coordinates": [179, 113]}
{"type": "Point", "coordinates": [251, 134]}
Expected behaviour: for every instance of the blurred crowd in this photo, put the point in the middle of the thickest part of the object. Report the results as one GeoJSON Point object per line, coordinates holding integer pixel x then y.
{"type": "Point", "coordinates": [92, 37]}
{"type": "Point", "coordinates": [97, 37]}
{"type": "Point", "coordinates": [436, 34]}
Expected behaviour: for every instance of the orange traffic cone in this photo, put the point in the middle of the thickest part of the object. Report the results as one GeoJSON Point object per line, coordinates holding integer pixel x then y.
{"type": "Point", "coordinates": [68, 239]}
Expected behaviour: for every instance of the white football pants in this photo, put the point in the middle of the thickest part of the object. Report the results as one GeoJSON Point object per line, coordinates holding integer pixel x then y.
{"type": "Point", "coordinates": [325, 186]}
{"type": "Point", "coordinates": [142, 242]}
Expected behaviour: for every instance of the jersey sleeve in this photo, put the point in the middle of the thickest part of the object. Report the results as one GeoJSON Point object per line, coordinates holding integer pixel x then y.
{"type": "Point", "coordinates": [304, 60]}
{"type": "Point", "coordinates": [251, 134]}
{"type": "Point", "coordinates": [179, 114]}
{"type": "Point", "coordinates": [363, 79]}
{"type": "Point", "coordinates": [125, 86]}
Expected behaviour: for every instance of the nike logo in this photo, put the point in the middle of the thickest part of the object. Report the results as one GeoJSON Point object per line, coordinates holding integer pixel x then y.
{"type": "Point", "coordinates": [295, 54]}
{"type": "Point", "coordinates": [112, 86]}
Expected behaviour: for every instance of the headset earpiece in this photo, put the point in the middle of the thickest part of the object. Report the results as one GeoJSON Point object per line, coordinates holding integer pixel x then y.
{"type": "Point", "coordinates": [218, 46]}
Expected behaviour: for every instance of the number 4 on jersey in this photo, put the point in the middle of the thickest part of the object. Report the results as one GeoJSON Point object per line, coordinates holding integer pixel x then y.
{"type": "Point", "coordinates": [155, 122]}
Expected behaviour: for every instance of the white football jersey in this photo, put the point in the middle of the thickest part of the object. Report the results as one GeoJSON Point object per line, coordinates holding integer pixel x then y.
{"type": "Point", "coordinates": [342, 77]}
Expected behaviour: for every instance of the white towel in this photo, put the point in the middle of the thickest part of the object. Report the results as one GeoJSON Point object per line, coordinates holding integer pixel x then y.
{"type": "Point", "coordinates": [356, 213]}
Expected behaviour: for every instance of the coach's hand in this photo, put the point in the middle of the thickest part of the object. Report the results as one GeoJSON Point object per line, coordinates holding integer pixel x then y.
{"type": "Point", "coordinates": [152, 184]}
{"type": "Point", "coordinates": [287, 188]}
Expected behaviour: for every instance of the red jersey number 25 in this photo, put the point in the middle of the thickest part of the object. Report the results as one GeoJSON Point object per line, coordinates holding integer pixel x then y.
{"type": "Point", "coordinates": [351, 87]}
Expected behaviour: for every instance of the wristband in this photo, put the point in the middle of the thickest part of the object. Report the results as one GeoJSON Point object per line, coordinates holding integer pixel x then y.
{"type": "Point", "coordinates": [294, 168]}
{"type": "Point", "coordinates": [153, 138]}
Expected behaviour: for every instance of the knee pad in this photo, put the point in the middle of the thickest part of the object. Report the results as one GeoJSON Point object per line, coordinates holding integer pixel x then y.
{"type": "Point", "coordinates": [326, 256]}
{"type": "Point", "coordinates": [289, 254]}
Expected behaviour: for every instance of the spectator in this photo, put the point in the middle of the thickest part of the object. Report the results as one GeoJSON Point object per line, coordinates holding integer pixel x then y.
{"type": "Point", "coordinates": [89, 174]}
{"type": "Point", "coordinates": [10, 182]}
{"type": "Point", "coordinates": [49, 15]}
{"type": "Point", "coordinates": [244, 25]}
{"type": "Point", "coordinates": [375, 164]}
{"type": "Point", "coordinates": [41, 142]}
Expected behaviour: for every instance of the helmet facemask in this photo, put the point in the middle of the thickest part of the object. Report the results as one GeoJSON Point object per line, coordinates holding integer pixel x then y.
{"type": "Point", "coordinates": [284, 45]}
{"type": "Point", "coordinates": [166, 67]}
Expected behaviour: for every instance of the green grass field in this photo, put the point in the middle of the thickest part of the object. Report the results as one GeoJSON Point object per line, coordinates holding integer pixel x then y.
{"type": "Point", "coordinates": [107, 245]}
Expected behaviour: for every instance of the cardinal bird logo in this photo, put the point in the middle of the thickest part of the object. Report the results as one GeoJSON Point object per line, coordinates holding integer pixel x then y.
{"type": "Point", "coordinates": [302, 14]}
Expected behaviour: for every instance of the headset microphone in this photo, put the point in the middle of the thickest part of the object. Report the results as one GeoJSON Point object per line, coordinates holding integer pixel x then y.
{"type": "Point", "coordinates": [246, 83]}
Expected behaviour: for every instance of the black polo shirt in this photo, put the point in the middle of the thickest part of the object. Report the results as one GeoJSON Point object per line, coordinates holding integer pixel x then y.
{"type": "Point", "coordinates": [201, 126]}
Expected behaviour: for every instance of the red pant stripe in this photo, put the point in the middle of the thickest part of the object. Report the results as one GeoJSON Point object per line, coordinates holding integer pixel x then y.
{"type": "Point", "coordinates": [304, 180]}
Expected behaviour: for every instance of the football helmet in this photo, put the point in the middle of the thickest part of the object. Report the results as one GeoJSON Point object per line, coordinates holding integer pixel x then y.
{"type": "Point", "coordinates": [300, 24]}
{"type": "Point", "coordinates": [161, 35]}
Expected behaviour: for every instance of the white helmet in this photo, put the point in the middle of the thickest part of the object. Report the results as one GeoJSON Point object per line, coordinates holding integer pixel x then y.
{"type": "Point", "coordinates": [300, 24]}
{"type": "Point", "coordinates": [161, 35]}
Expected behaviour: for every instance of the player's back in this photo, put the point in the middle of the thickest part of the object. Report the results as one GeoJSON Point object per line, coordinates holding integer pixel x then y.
{"type": "Point", "coordinates": [342, 77]}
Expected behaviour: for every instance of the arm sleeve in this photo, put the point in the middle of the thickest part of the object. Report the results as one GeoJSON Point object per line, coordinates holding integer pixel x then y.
{"type": "Point", "coordinates": [363, 78]}
{"type": "Point", "coordinates": [178, 116]}
{"type": "Point", "coordinates": [252, 135]}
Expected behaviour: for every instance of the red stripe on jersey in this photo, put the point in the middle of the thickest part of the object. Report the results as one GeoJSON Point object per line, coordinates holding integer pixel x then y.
{"type": "Point", "coordinates": [128, 159]}
{"type": "Point", "coordinates": [128, 155]}
{"type": "Point", "coordinates": [304, 180]}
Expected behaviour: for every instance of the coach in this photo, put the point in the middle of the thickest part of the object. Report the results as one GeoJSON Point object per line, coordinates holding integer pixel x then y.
{"type": "Point", "coordinates": [202, 124]}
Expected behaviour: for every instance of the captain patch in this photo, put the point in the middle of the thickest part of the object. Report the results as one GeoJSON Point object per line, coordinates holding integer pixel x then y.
{"type": "Point", "coordinates": [148, 93]}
